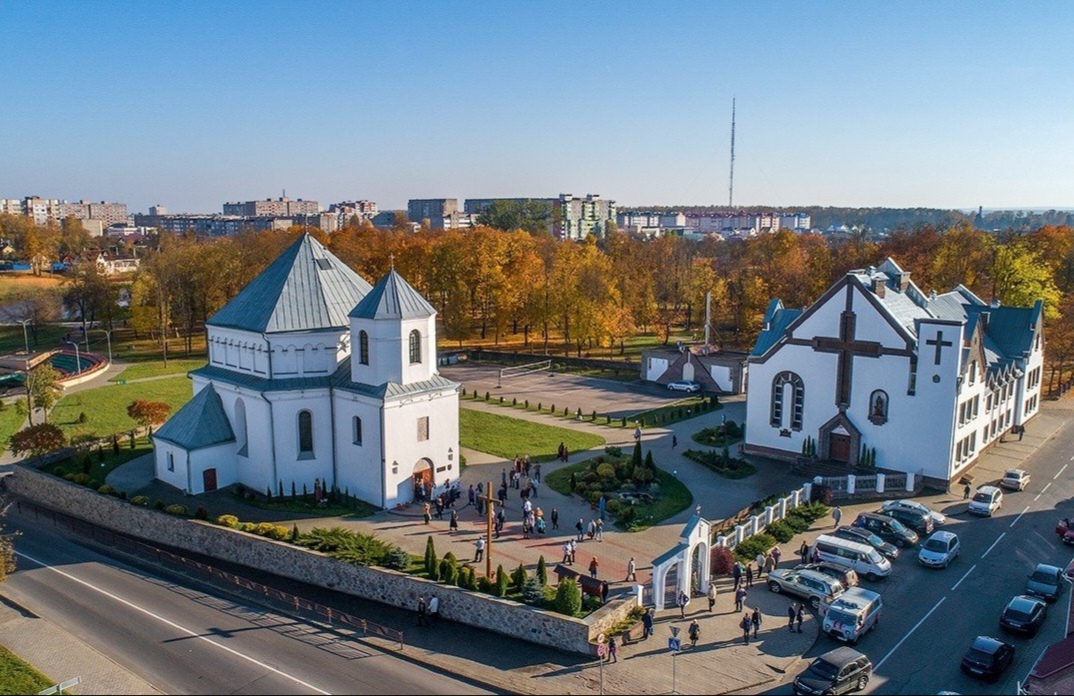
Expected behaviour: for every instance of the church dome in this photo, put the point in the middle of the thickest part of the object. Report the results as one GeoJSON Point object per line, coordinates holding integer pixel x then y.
{"type": "Point", "coordinates": [393, 298]}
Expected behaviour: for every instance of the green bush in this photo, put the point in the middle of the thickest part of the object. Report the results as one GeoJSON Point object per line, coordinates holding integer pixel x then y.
{"type": "Point", "coordinates": [568, 597]}
{"type": "Point", "coordinates": [201, 513]}
{"type": "Point", "coordinates": [781, 531]}
{"type": "Point", "coordinates": [140, 500]}
{"type": "Point", "coordinates": [228, 521]}
{"type": "Point", "coordinates": [519, 577]}
{"type": "Point", "coordinates": [502, 582]}
{"type": "Point", "coordinates": [613, 505]}
{"type": "Point", "coordinates": [248, 527]}
{"type": "Point", "coordinates": [106, 490]}
{"type": "Point", "coordinates": [533, 592]}
{"type": "Point", "coordinates": [264, 528]}
{"type": "Point", "coordinates": [485, 585]}
{"type": "Point", "coordinates": [81, 479]}
{"type": "Point", "coordinates": [179, 510]}
{"type": "Point", "coordinates": [397, 559]}
{"type": "Point", "coordinates": [432, 565]}
{"type": "Point", "coordinates": [449, 572]}
{"type": "Point", "coordinates": [751, 546]}
{"type": "Point", "coordinates": [542, 571]}
{"type": "Point", "coordinates": [279, 533]}
{"type": "Point", "coordinates": [158, 504]}
{"type": "Point", "coordinates": [69, 477]}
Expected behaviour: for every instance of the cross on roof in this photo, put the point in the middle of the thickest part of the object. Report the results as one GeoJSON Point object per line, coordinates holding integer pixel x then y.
{"type": "Point", "coordinates": [391, 260]}
{"type": "Point", "coordinates": [939, 343]}
{"type": "Point", "coordinates": [846, 348]}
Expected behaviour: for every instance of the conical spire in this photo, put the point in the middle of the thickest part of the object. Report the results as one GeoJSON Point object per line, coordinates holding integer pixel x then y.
{"type": "Point", "coordinates": [393, 298]}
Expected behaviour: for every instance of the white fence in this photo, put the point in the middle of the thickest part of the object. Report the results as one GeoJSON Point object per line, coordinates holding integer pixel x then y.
{"type": "Point", "coordinates": [755, 524]}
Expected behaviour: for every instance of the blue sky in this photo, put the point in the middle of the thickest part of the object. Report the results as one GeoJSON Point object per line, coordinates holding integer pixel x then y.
{"type": "Point", "coordinates": [953, 104]}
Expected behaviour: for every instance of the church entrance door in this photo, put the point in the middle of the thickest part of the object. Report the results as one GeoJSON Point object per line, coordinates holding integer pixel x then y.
{"type": "Point", "coordinates": [423, 480]}
{"type": "Point", "coordinates": [208, 479]}
{"type": "Point", "coordinates": [839, 447]}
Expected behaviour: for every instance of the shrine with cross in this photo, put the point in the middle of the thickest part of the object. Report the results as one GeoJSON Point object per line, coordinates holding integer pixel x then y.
{"type": "Point", "coordinates": [921, 383]}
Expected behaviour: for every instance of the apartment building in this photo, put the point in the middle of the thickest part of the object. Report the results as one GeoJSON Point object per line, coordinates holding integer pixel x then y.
{"type": "Point", "coordinates": [273, 207]}
{"type": "Point", "coordinates": [578, 217]}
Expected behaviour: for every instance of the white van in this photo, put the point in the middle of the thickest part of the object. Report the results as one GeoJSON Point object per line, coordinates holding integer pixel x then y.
{"type": "Point", "coordinates": [863, 558]}
{"type": "Point", "coordinates": [853, 614]}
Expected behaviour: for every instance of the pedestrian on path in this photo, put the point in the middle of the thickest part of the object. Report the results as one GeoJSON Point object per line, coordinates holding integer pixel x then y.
{"type": "Point", "coordinates": [966, 492]}
{"type": "Point", "coordinates": [600, 530]}
{"type": "Point", "coordinates": [712, 596]}
{"type": "Point", "coordinates": [637, 433]}
{"type": "Point", "coordinates": [566, 553]}
{"type": "Point", "coordinates": [674, 441]}
{"type": "Point", "coordinates": [580, 526]}
{"type": "Point", "coordinates": [471, 496]}
{"type": "Point", "coordinates": [749, 575]}
{"type": "Point", "coordinates": [776, 555]}
{"type": "Point", "coordinates": [837, 515]}
{"type": "Point", "coordinates": [604, 592]}
{"type": "Point", "coordinates": [740, 598]}
{"type": "Point", "coordinates": [745, 625]}
{"type": "Point", "coordinates": [736, 572]}
{"type": "Point", "coordinates": [555, 518]}
{"type": "Point", "coordinates": [683, 600]}
{"type": "Point", "coordinates": [434, 609]}
{"type": "Point", "coordinates": [755, 619]}
{"type": "Point", "coordinates": [426, 512]}
{"type": "Point", "coordinates": [695, 633]}
{"type": "Point", "coordinates": [593, 566]}
{"type": "Point", "coordinates": [454, 523]}
{"type": "Point", "coordinates": [574, 551]}
{"type": "Point", "coordinates": [592, 531]}
{"type": "Point", "coordinates": [647, 623]}
{"type": "Point", "coordinates": [760, 564]}
{"type": "Point", "coordinates": [423, 618]}
{"type": "Point", "coordinates": [804, 552]}
{"type": "Point", "coordinates": [533, 487]}
{"type": "Point", "coordinates": [479, 552]}
{"type": "Point", "coordinates": [799, 616]}
{"type": "Point", "coordinates": [631, 570]}
{"type": "Point", "coordinates": [537, 472]}
{"type": "Point", "coordinates": [612, 650]}
{"type": "Point", "coordinates": [791, 612]}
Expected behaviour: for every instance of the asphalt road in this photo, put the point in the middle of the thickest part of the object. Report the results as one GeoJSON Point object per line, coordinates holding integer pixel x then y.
{"type": "Point", "coordinates": [931, 616]}
{"type": "Point", "coordinates": [183, 639]}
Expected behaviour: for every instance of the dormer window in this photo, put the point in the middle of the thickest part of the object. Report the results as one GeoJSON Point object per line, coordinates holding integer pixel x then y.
{"type": "Point", "coordinates": [415, 347]}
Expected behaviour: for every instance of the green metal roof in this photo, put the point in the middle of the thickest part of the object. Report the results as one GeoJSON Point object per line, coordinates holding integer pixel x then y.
{"type": "Point", "coordinates": [305, 289]}
{"type": "Point", "coordinates": [340, 379]}
{"type": "Point", "coordinates": [393, 298]}
{"type": "Point", "coordinates": [200, 423]}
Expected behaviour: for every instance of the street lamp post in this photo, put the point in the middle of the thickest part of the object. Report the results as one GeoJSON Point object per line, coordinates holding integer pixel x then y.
{"type": "Point", "coordinates": [108, 335]}
{"type": "Point", "coordinates": [78, 359]}
{"type": "Point", "coordinates": [25, 337]}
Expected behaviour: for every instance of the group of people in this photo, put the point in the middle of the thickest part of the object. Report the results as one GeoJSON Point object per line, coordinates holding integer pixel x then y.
{"type": "Point", "coordinates": [595, 529]}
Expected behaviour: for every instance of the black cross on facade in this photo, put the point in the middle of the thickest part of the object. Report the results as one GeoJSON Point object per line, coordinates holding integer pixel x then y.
{"type": "Point", "coordinates": [939, 343]}
{"type": "Point", "coordinates": [846, 348]}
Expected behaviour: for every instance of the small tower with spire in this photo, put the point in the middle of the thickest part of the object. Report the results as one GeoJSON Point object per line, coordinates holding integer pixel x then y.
{"type": "Point", "coordinates": [393, 334]}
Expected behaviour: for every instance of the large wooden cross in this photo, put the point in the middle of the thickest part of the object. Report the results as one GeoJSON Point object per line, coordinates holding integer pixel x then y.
{"type": "Point", "coordinates": [939, 343]}
{"type": "Point", "coordinates": [846, 347]}
{"type": "Point", "coordinates": [490, 504]}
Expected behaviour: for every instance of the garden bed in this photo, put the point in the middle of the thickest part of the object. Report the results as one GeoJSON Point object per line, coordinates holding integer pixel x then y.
{"type": "Point", "coordinates": [722, 463]}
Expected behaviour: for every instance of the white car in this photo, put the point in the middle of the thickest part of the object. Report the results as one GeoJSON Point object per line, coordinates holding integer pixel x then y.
{"type": "Point", "coordinates": [986, 501]}
{"type": "Point", "coordinates": [684, 385]}
{"type": "Point", "coordinates": [1015, 479]}
{"type": "Point", "coordinates": [939, 550]}
{"type": "Point", "coordinates": [907, 504]}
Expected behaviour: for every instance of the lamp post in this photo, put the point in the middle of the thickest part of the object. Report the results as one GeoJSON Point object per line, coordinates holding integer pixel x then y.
{"type": "Point", "coordinates": [78, 359]}
{"type": "Point", "coordinates": [108, 335]}
{"type": "Point", "coordinates": [25, 337]}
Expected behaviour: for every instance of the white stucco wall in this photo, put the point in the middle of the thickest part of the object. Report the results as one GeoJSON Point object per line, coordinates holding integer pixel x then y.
{"type": "Point", "coordinates": [401, 444]}
{"type": "Point", "coordinates": [389, 351]}
{"type": "Point", "coordinates": [722, 376]}
{"type": "Point", "coordinates": [655, 367]}
{"type": "Point", "coordinates": [307, 353]}
{"type": "Point", "coordinates": [358, 467]}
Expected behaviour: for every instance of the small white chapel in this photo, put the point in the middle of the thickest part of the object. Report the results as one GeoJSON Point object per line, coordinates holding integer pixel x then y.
{"type": "Point", "coordinates": [921, 384]}
{"type": "Point", "coordinates": [314, 375]}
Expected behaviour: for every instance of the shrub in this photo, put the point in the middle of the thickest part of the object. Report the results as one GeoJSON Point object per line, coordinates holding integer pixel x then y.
{"type": "Point", "coordinates": [568, 597]}
{"type": "Point", "coordinates": [264, 528]}
{"type": "Point", "coordinates": [723, 561]}
{"type": "Point", "coordinates": [626, 515]}
{"type": "Point", "coordinates": [229, 521]}
{"type": "Point", "coordinates": [613, 451]}
{"type": "Point", "coordinates": [106, 490]}
{"type": "Point", "coordinates": [486, 396]}
{"type": "Point", "coordinates": [179, 510]}
{"type": "Point", "coordinates": [81, 479]}
{"type": "Point", "coordinates": [279, 533]}
{"type": "Point", "coordinates": [432, 567]}
{"type": "Point", "coordinates": [781, 531]}
{"type": "Point", "coordinates": [797, 523]}
{"type": "Point", "coordinates": [294, 534]}
{"type": "Point", "coordinates": [158, 504]}
{"type": "Point", "coordinates": [449, 572]}
{"type": "Point", "coordinates": [248, 527]}
{"type": "Point", "coordinates": [552, 409]}
{"type": "Point", "coordinates": [397, 559]}
{"type": "Point", "coordinates": [201, 513]}
{"type": "Point", "coordinates": [822, 494]}
{"type": "Point", "coordinates": [140, 500]}
{"type": "Point", "coordinates": [527, 404]}
{"type": "Point", "coordinates": [501, 582]}
{"type": "Point", "coordinates": [69, 477]}
{"type": "Point", "coordinates": [519, 577]}
{"type": "Point", "coordinates": [122, 495]}
{"type": "Point", "coordinates": [613, 505]}
{"type": "Point", "coordinates": [501, 399]}
{"type": "Point", "coordinates": [485, 585]}
{"type": "Point", "coordinates": [606, 471]}
{"type": "Point", "coordinates": [94, 484]}
{"type": "Point", "coordinates": [533, 592]}
{"type": "Point", "coordinates": [542, 571]}
{"type": "Point", "coordinates": [514, 401]}
{"type": "Point", "coordinates": [751, 546]}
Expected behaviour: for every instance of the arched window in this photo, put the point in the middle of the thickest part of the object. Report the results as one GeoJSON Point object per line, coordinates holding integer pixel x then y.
{"type": "Point", "coordinates": [305, 433]}
{"type": "Point", "coordinates": [356, 426]}
{"type": "Point", "coordinates": [241, 435]}
{"type": "Point", "coordinates": [878, 407]}
{"type": "Point", "coordinates": [415, 347]}
{"type": "Point", "coordinates": [788, 396]}
{"type": "Point", "coordinates": [363, 348]}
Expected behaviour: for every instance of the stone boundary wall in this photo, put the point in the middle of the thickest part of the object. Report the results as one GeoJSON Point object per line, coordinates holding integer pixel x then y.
{"type": "Point", "coordinates": [304, 565]}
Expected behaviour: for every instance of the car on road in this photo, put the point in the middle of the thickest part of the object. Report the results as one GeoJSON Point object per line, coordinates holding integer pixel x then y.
{"type": "Point", "coordinates": [817, 588]}
{"type": "Point", "coordinates": [1046, 582]}
{"type": "Point", "coordinates": [986, 501]}
{"type": "Point", "coordinates": [1015, 479]}
{"type": "Point", "coordinates": [840, 671]}
{"type": "Point", "coordinates": [684, 385]}
{"type": "Point", "coordinates": [887, 528]}
{"type": "Point", "coordinates": [906, 504]}
{"type": "Point", "coordinates": [867, 537]}
{"type": "Point", "coordinates": [1023, 615]}
{"type": "Point", "coordinates": [916, 520]}
{"type": "Point", "coordinates": [939, 550]}
{"type": "Point", "coordinates": [853, 614]}
{"type": "Point", "coordinates": [987, 658]}
{"type": "Point", "coordinates": [847, 576]}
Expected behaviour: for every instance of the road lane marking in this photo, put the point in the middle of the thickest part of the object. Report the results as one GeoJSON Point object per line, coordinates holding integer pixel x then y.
{"type": "Point", "coordinates": [897, 645]}
{"type": "Point", "coordinates": [1046, 487]}
{"type": "Point", "coordinates": [1020, 516]}
{"type": "Point", "coordinates": [1061, 471]}
{"type": "Point", "coordinates": [1037, 497]}
{"type": "Point", "coordinates": [964, 577]}
{"type": "Point", "coordinates": [993, 545]}
{"type": "Point", "coordinates": [174, 625]}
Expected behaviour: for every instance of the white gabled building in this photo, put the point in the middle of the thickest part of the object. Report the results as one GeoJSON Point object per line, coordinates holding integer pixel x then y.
{"type": "Point", "coordinates": [314, 374]}
{"type": "Point", "coordinates": [926, 382]}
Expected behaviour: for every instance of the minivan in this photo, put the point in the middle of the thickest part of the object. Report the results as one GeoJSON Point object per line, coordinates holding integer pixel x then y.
{"type": "Point", "coordinates": [866, 560]}
{"type": "Point", "coordinates": [853, 614]}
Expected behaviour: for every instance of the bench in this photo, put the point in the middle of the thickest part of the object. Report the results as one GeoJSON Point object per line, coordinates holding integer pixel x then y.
{"type": "Point", "coordinates": [590, 585]}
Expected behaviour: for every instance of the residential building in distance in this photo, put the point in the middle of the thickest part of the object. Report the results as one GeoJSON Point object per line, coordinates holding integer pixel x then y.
{"type": "Point", "coordinates": [577, 218]}
{"type": "Point", "coordinates": [746, 224]}
{"type": "Point", "coordinates": [211, 225]}
{"type": "Point", "coordinates": [277, 207]}
{"type": "Point", "coordinates": [50, 210]}
{"type": "Point", "coordinates": [476, 206]}
{"type": "Point", "coordinates": [158, 209]}
{"type": "Point", "coordinates": [418, 209]}
{"type": "Point", "coordinates": [345, 211]}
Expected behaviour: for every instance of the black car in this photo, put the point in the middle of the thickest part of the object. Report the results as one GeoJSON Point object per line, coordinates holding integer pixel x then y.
{"type": "Point", "coordinates": [987, 658]}
{"type": "Point", "coordinates": [1023, 615]}
{"type": "Point", "coordinates": [841, 671]}
{"type": "Point", "coordinates": [917, 521]}
{"type": "Point", "coordinates": [1046, 582]}
{"type": "Point", "coordinates": [866, 536]}
{"type": "Point", "coordinates": [887, 528]}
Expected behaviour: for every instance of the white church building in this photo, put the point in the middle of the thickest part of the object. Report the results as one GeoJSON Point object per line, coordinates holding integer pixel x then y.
{"type": "Point", "coordinates": [925, 382]}
{"type": "Point", "coordinates": [314, 374]}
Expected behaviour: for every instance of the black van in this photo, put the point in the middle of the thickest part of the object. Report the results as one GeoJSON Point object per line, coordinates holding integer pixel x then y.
{"type": "Point", "coordinates": [887, 528]}
{"type": "Point", "coordinates": [841, 671]}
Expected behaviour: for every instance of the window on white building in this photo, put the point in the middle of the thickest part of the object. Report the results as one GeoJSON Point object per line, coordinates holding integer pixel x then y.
{"type": "Point", "coordinates": [305, 433]}
{"type": "Point", "coordinates": [171, 462]}
{"type": "Point", "coordinates": [788, 395]}
{"type": "Point", "coordinates": [363, 348]}
{"type": "Point", "coordinates": [415, 347]}
{"type": "Point", "coordinates": [423, 428]}
{"type": "Point", "coordinates": [357, 427]}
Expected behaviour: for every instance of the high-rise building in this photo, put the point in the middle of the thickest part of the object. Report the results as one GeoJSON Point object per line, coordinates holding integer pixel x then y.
{"type": "Point", "coordinates": [577, 218]}
{"type": "Point", "coordinates": [277, 207]}
{"type": "Point", "coordinates": [158, 209]}
{"type": "Point", "coordinates": [50, 210]}
{"type": "Point", "coordinates": [433, 209]}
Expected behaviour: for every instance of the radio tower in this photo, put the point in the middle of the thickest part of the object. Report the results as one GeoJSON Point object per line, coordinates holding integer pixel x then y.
{"type": "Point", "coordinates": [731, 186]}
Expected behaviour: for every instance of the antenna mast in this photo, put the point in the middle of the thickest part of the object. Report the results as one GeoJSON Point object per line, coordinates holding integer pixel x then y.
{"type": "Point", "coordinates": [731, 186]}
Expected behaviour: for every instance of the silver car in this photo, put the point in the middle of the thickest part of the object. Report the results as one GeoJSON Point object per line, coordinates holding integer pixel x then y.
{"type": "Point", "coordinates": [819, 589]}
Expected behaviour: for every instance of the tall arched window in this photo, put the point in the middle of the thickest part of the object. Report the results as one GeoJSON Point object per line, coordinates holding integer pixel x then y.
{"type": "Point", "coordinates": [788, 396]}
{"type": "Point", "coordinates": [363, 348]}
{"type": "Point", "coordinates": [415, 347]}
{"type": "Point", "coordinates": [356, 426]}
{"type": "Point", "coordinates": [305, 433]}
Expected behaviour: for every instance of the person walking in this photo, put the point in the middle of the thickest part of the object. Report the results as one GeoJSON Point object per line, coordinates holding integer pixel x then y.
{"type": "Point", "coordinates": [799, 616]}
{"type": "Point", "coordinates": [694, 632]}
{"type": "Point", "coordinates": [533, 487]}
{"type": "Point", "coordinates": [736, 572]}
{"type": "Point", "coordinates": [966, 492]}
{"type": "Point", "coordinates": [426, 512]}
{"type": "Point", "coordinates": [612, 650]}
{"type": "Point", "coordinates": [537, 472]}
{"type": "Point", "coordinates": [454, 523]}
{"type": "Point", "coordinates": [479, 552]}
{"type": "Point", "coordinates": [647, 623]}
{"type": "Point", "coordinates": [593, 566]}
{"type": "Point", "coordinates": [674, 441]}
{"type": "Point", "coordinates": [604, 592]}
{"type": "Point", "coordinates": [580, 527]}
{"type": "Point", "coordinates": [745, 624]}
{"type": "Point", "coordinates": [439, 507]}
{"type": "Point", "coordinates": [769, 564]}
{"type": "Point", "coordinates": [566, 553]}
{"type": "Point", "coordinates": [631, 570]}
{"type": "Point", "coordinates": [471, 496]}
{"type": "Point", "coordinates": [803, 551]}
{"type": "Point", "coordinates": [683, 600]}
{"type": "Point", "coordinates": [740, 598]}
{"type": "Point", "coordinates": [816, 555]}
{"type": "Point", "coordinates": [776, 555]}
{"type": "Point", "coordinates": [760, 564]}
{"type": "Point", "coordinates": [423, 618]}
{"type": "Point", "coordinates": [755, 619]}
{"type": "Point", "coordinates": [712, 596]}
{"type": "Point", "coordinates": [555, 518]}
{"type": "Point", "coordinates": [574, 551]}
{"type": "Point", "coordinates": [837, 515]}
{"type": "Point", "coordinates": [749, 575]}
{"type": "Point", "coordinates": [434, 609]}
{"type": "Point", "coordinates": [791, 613]}
{"type": "Point", "coordinates": [600, 530]}
{"type": "Point", "coordinates": [592, 531]}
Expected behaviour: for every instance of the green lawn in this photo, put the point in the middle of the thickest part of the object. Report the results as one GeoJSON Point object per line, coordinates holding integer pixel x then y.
{"type": "Point", "coordinates": [156, 368]}
{"type": "Point", "coordinates": [9, 423]}
{"type": "Point", "coordinates": [511, 437]}
{"type": "Point", "coordinates": [105, 408]}
{"type": "Point", "coordinates": [18, 676]}
{"type": "Point", "coordinates": [48, 337]}
{"type": "Point", "coordinates": [97, 468]}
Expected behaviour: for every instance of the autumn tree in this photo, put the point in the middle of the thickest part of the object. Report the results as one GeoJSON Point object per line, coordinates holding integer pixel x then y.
{"type": "Point", "coordinates": [42, 390]}
{"type": "Point", "coordinates": [36, 440]}
{"type": "Point", "coordinates": [147, 413]}
{"type": "Point", "coordinates": [87, 291]}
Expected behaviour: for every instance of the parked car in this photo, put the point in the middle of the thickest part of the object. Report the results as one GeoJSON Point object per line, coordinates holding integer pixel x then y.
{"type": "Point", "coordinates": [684, 385]}
{"type": "Point", "coordinates": [1046, 582]}
{"type": "Point", "coordinates": [986, 501]}
{"type": "Point", "coordinates": [819, 589]}
{"type": "Point", "coordinates": [937, 518]}
{"type": "Point", "coordinates": [887, 528]}
{"type": "Point", "coordinates": [840, 671]}
{"type": "Point", "coordinates": [847, 576]}
{"type": "Point", "coordinates": [1024, 615]}
{"type": "Point", "coordinates": [916, 520]}
{"type": "Point", "coordinates": [1065, 530]}
{"type": "Point", "coordinates": [1015, 479]}
{"type": "Point", "coordinates": [987, 658]}
{"type": "Point", "coordinates": [853, 614]}
{"type": "Point", "coordinates": [867, 537]}
{"type": "Point", "coordinates": [939, 550]}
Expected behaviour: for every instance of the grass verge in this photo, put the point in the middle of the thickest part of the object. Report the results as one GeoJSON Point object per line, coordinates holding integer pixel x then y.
{"type": "Point", "coordinates": [157, 368]}
{"type": "Point", "coordinates": [510, 437]}
{"type": "Point", "coordinates": [18, 676]}
{"type": "Point", "coordinates": [105, 408]}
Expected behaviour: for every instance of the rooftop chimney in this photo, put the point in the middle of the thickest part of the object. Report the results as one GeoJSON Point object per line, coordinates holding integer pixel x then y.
{"type": "Point", "coordinates": [879, 286]}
